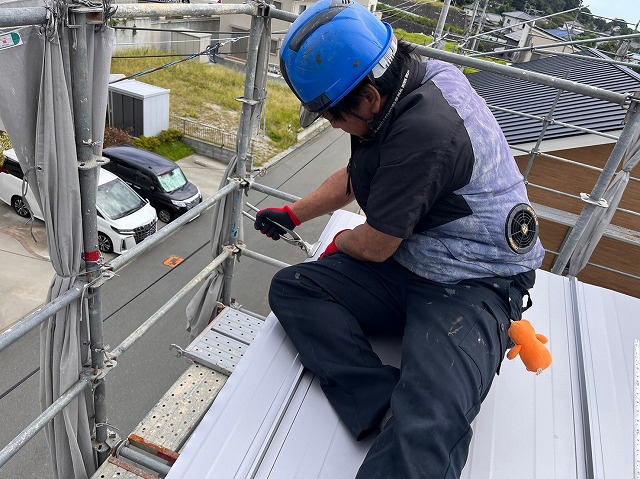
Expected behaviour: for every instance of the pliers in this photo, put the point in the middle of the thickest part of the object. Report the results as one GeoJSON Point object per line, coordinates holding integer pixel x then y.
{"type": "Point", "coordinates": [289, 236]}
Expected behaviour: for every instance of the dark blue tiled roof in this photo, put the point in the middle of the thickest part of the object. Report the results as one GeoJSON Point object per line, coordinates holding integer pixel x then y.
{"type": "Point", "coordinates": [572, 108]}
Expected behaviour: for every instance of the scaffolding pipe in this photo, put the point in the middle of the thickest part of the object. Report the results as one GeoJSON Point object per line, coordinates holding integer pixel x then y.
{"type": "Point", "coordinates": [551, 190]}
{"type": "Point", "coordinates": [521, 23]}
{"type": "Point", "coordinates": [267, 190]}
{"type": "Point", "coordinates": [41, 421]}
{"type": "Point", "coordinates": [144, 460]}
{"type": "Point", "coordinates": [42, 314]}
{"type": "Point", "coordinates": [591, 59]}
{"type": "Point", "coordinates": [160, 235]}
{"type": "Point", "coordinates": [39, 316]}
{"type": "Point", "coordinates": [135, 10]}
{"type": "Point", "coordinates": [21, 17]}
{"type": "Point", "coordinates": [483, 17]}
{"type": "Point", "coordinates": [89, 170]}
{"type": "Point", "coordinates": [144, 327]}
{"type": "Point", "coordinates": [554, 121]}
{"type": "Point", "coordinates": [264, 259]}
{"type": "Point", "coordinates": [468, 31]}
{"type": "Point", "coordinates": [245, 129]}
{"type": "Point", "coordinates": [563, 44]}
{"type": "Point", "coordinates": [609, 170]}
{"type": "Point", "coordinates": [559, 158]}
{"type": "Point", "coordinates": [545, 124]}
{"type": "Point", "coordinates": [534, 77]}
{"type": "Point", "coordinates": [437, 37]}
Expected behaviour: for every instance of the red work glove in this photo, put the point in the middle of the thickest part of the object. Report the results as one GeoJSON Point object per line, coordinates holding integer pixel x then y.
{"type": "Point", "coordinates": [332, 248]}
{"type": "Point", "coordinates": [283, 216]}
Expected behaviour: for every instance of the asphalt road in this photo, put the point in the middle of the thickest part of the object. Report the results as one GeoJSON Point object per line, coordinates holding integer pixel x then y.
{"type": "Point", "coordinates": [149, 368]}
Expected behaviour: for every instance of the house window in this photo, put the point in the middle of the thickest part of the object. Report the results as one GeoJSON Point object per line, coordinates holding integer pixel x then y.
{"type": "Point", "coordinates": [274, 47]}
{"type": "Point", "coordinates": [302, 8]}
{"type": "Point", "coordinates": [277, 5]}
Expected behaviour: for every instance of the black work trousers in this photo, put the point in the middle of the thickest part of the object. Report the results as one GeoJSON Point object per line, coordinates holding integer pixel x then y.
{"type": "Point", "coordinates": [454, 337]}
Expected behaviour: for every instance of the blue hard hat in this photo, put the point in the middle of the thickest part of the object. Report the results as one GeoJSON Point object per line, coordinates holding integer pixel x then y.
{"type": "Point", "coordinates": [329, 49]}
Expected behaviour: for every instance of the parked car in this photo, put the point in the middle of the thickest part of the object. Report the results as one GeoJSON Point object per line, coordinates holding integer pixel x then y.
{"type": "Point", "coordinates": [124, 218]}
{"type": "Point", "coordinates": [155, 178]}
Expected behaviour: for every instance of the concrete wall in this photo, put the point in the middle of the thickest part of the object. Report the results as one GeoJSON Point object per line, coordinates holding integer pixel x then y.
{"type": "Point", "coordinates": [207, 149]}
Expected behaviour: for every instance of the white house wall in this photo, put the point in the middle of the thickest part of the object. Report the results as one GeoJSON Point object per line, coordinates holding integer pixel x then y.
{"type": "Point", "coordinates": [278, 27]}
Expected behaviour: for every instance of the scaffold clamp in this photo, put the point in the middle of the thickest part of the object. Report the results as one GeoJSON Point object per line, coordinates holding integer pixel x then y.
{"type": "Point", "coordinates": [602, 203]}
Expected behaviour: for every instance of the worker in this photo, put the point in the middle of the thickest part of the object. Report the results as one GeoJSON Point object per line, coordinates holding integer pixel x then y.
{"type": "Point", "coordinates": [445, 258]}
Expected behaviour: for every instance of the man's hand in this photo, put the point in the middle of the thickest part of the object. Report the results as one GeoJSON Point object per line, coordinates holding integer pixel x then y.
{"type": "Point", "coordinates": [332, 248]}
{"type": "Point", "coordinates": [267, 218]}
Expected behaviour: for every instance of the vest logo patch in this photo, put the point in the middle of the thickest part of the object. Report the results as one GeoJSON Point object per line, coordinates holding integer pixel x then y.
{"type": "Point", "coordinates": [521, 228]}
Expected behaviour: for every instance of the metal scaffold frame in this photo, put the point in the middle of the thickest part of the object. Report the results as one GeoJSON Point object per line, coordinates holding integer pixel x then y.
{"type": "Point", "coordinates": [241, 181]}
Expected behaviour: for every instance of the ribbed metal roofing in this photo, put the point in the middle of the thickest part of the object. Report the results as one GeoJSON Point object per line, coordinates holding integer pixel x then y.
{"type": "Point", "coordinates": [535, 99]}
{"type": "Point", "coordinates": [575, 420]}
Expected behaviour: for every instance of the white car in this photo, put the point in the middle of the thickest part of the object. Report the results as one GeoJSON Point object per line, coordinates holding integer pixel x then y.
{"type": "Point", "coordinates": [124, 218]}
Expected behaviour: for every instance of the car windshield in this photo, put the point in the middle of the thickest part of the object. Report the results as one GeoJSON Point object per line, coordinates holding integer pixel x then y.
{"type": "Point", "coordinates": [172, 180]}
{"type": "Point", "coordinates": [116, 200]}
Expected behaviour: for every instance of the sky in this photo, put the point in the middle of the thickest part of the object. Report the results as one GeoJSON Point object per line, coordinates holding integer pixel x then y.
{"type": "Point", "coordinates": [628, 10]}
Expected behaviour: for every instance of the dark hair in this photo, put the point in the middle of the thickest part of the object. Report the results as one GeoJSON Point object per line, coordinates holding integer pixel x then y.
{"type": "Point", "coordinates": [386, 85]}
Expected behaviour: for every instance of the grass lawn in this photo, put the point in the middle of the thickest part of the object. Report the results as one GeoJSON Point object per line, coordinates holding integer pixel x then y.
{"type": "Point", "coordinates": [207, 92]}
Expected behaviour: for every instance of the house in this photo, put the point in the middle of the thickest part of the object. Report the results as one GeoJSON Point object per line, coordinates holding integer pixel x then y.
{"type": "Point", "coordinates": [516, 19]}
{"type": "Point", "coordinates": [532, 36]}
{"type": "Point", "coordinates": [556, 185]}
{"type": "Point", "coordinates": [239, 26]}
{"type": "Point", "coordinates": [490, 19]}
{"type": "Point", "coordinates": [558, 32]}
{"type": "Point", "coordinates": [574, 28]}
{"type": "Point", "coordinates": [493, 19]}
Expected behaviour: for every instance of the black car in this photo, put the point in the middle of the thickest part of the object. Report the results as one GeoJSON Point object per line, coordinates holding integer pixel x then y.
{"type": "Point", "coordinates": [155, 178]}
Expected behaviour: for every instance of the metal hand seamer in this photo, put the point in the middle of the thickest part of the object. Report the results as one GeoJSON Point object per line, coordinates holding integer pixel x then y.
{"type": "Point", "coordinates": [290, 236]}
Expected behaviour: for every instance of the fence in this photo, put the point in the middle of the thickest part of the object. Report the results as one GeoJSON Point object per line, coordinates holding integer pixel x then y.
{"type": "Point", "coordinates": [213, 135]}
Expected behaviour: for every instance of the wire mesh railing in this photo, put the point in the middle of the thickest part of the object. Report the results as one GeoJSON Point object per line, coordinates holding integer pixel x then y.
{"type": "Point", "coordinates": [204, 132]}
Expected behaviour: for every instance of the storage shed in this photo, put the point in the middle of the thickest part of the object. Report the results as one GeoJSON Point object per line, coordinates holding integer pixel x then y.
{"type": "Point", "coordinates": [138, 107]}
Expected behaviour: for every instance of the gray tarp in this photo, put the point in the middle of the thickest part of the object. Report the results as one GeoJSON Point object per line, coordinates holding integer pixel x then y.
{"type": "Point", "coordinates": [201, 308]}
{"type": "Point", "coordinates": [602, 216]}
{"type": "Point", "coordinates": [36, 107]}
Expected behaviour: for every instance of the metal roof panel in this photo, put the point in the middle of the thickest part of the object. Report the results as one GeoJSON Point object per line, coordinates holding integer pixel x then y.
{"type": "Point", "coordinates": [537, 99]}
{"type": "Point", "coordinates": [273, 421]}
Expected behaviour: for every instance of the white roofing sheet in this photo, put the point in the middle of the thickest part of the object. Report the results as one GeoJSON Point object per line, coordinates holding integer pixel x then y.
{"type": "Point", "coordinates": [575, 420]}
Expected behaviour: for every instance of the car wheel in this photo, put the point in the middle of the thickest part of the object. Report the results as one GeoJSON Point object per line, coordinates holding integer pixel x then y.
{"type": "Point", "coordinates": [20, 206]}
{"type": "Point", "coordinates": [164, 216]}
{"type": "Point", "coordinates": [104, 243]}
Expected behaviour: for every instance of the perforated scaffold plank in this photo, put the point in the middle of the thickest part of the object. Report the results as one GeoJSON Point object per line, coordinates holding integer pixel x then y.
{"type": "Point", "coordinates": [168, 425]}
{"type": "Point", "coordinates": [223, 343]}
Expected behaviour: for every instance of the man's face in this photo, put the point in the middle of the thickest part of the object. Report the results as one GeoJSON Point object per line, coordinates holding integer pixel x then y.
{"type": "Point", "coordinates": [349, 123]}
{"type": "Point", "coordinates": [355, 121]}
